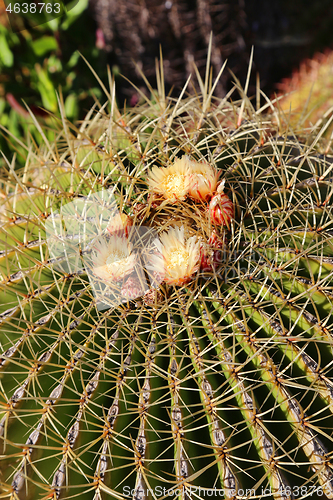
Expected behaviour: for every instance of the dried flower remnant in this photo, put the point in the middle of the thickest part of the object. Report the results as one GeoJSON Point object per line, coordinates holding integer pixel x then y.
{"type": "Point", "coordinates": [203, 180]}
{"type": "Point", "coordinates": [132, 288]}
{"type": "Point", "coordinates": [211, 253]}
{"type": "Point", "coordinates": [153, 297]}
{"type": "Point", "coordinates": [113, 259]}
{"type": "Point", "coordinates": [171, 182]}
{"type": "Point", "coordinates": [179, 257]}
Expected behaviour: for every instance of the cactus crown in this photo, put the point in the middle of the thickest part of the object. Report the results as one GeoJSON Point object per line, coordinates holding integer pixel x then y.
{"type": "Point", "coordinates": [208, 377]}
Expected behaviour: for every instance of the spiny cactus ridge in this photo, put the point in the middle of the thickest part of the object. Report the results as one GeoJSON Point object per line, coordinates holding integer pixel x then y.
{"type": "Point", "coordinates": [210, 375]}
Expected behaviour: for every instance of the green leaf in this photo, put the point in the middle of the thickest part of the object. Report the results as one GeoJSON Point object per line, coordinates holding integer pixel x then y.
{"type": "Point", "coordinates": [43, 45]}
{"type": "Point", "coordinates": [73, 59]}
{"type": "Point", "coordinates": [6, 54]}
{"type": "Point", "coordinates": [73, 13]}
{"type": "Point", "coordinates": [46, 89]}
{"type": "Point", "coordinates": [53, 24]}
{"type": "Point", "coordinates": [54, 64]}
{"type": "Point", "coordinates": [3, 116]}
{"type": "Point", "coordinates": [71, 106]}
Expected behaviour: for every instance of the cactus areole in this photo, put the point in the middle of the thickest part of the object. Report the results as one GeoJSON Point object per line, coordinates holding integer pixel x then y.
{"type": "Point", "coordinates": [166, 304]}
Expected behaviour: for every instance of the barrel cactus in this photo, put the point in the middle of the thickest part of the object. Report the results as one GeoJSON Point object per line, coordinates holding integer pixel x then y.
{"type": "Point", "coordinates": [166, 306]}
{"type": "Point", "coordinates": [305, 98]}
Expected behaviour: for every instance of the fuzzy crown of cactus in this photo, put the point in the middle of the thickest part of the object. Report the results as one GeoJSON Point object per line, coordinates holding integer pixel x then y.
{"type": "Point", "coordinates": [166, 306]}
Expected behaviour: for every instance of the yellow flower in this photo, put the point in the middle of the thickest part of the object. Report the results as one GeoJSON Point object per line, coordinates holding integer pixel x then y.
{"type": "Point", "coordinates": [185, 177]}
{"type": "Point", "coordinates": [172, 182]}
{"type": "Point", "coordinates": [178, 258]}
{"type": "Point", "coordinates": [203, 180]}
{"type": "Point", "coordinates": [113, 259]}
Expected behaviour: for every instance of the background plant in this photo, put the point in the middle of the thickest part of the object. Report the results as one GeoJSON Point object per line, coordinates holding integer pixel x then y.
{"type": "Point", "coordinates": [36, 62]}
{"type": "Point", "coordinates": [282, 33]}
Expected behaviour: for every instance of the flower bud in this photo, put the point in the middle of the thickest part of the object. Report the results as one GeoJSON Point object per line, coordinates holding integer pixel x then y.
{"type": "Point", "coordinates": [221, 210]}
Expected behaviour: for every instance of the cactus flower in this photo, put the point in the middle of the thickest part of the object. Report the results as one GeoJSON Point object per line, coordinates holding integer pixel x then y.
{"type": "Point", "coordinates": [119, 225]}
{"type": "Point", "coordinates": [178, 257]}
{"type": "Point", "coordinates": [203, 180]}
{"type": "Point", "coordinates": [172, 182]}
{"type": "Point", "coordinates": [113, 260]}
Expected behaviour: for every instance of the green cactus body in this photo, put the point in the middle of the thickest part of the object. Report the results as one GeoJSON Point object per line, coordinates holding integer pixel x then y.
{"type": "Point", "coordinates": [221, 386]}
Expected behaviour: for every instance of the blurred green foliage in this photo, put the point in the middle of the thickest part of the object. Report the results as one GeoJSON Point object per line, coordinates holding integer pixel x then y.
{"type": "Point", "coordinates": [35, 63]}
